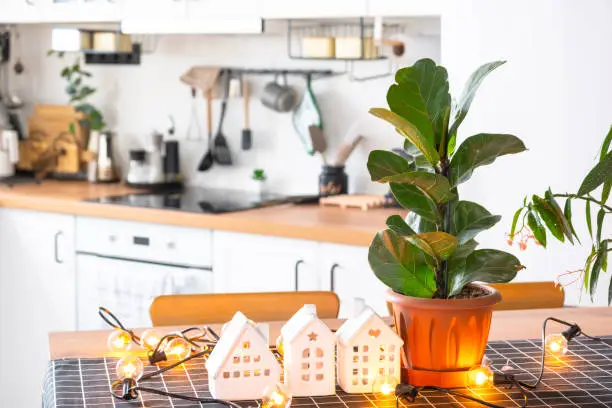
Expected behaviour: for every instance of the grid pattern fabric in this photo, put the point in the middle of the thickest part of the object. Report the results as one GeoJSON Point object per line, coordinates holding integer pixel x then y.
{"type": "Point", "coordinates": [582, 378]}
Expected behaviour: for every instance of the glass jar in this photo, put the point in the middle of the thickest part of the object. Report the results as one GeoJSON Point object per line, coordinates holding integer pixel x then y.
{"type": "Point", "coordinates": [138, 171]}
{"type": "Point", "coordinates": [333, 181]}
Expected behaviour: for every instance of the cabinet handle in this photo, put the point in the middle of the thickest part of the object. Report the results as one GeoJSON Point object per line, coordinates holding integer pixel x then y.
{"type": "Point", "coordinates": [296, 273]}
{"type": "Point", "coordinates": [332, 283]}
{"type": "Point", "coordinates": [58, 234]}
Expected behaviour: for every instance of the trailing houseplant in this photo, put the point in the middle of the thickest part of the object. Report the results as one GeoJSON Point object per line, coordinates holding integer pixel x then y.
{"type": "Point", "coordinates": [430, 259]}
{"type": "Point", "coordinates": [542, 215]}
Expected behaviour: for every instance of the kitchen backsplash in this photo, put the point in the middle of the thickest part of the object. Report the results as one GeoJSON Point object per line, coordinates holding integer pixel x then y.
{"type": "Point", "coordinates": [139, 99]}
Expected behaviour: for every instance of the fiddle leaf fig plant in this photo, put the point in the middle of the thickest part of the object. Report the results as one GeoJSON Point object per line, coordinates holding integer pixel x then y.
{"type": "Point", "coordinates": [543, 215]}
{"type": "Point", "coordinates": [432, 253]}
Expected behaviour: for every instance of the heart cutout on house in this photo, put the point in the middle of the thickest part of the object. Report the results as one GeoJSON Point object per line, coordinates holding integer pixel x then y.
{"type": "Point", "coordinates": [374, 333]}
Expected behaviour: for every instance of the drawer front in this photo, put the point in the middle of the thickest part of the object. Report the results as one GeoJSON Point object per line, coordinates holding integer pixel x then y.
{"type": "Point", "coordinates": [144, 241]}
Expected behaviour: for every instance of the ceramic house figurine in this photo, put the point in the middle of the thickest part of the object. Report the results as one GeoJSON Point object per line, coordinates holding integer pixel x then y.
{"type": "Point", "coordinates": [241, 365]}
{"type": "Point", "coordinates": [308, 352]}
{"type": "Point", "coordinates": [368, 350]}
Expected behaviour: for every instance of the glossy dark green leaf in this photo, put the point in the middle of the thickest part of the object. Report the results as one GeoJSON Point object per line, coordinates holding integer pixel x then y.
{"type": "Point", "coordinates": [601, 214]}
{"type": "Point", "coordinates": [484, 265]}
{"type": "Point", "coordinates": [469, 219]}
{"type": "Point", "coordinates": [432, 83]}
{"type": "Point", "coordinates": [401, 266]}
{"type": "Point", "coordinates": [565, 227]}
{"type": "Point", "coordinates": [419, 224]}
{"type": "Point", "coordinates": [515, 219]}
{"type": "Point", "coordinates": [410, 132]}
{"type": "Point", "coordinates": [434, 185]}
{"type": "Point", "coordinates": [480, 150]}
{"type": "Point", "coordinates": [567, 212]}
{"type": "Point", "coordinates": [601, 173]}
{"type": "Point", "coordinates": [548, 214]}
{"type": "Point", "coordinates": [405, 99]}
{"type": "Point", "coordinates": [588, 218]}
{"type": "Point", "coordinates": [415, 200]}
{"type": "Point", "coordinates": [442, 245]}
{"type": "Point", "coordinates": [397, 224]}
{"type": "Point", "coordinates": [465, 249]}
{"type": "Point", "coordinates": [383, 164]}
{"type": "Point", "coordinates": [536, 226]}
{"type": "Point", "coordinates": [469, 92]}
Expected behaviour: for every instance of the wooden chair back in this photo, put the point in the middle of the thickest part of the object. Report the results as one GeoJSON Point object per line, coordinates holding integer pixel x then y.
{"type": "Point", "coordinates": [529, 295]}
{"type": "Point", "coordinates": [179, 310]}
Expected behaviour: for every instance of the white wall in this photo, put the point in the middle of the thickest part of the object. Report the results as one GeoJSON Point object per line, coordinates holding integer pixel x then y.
{"type": "Point", "coordinates": [138, 99]}
{"type": "Point", "coordinates": [554, 93]}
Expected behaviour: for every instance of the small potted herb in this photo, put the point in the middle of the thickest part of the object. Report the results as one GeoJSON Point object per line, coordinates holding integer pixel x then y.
{"type": "Point", "coordinates": [259, 177]}
{"type": "Point", "coordinates": [430, 260]}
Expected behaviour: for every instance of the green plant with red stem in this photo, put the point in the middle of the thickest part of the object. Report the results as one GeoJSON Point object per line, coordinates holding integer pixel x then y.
{"type": "Point", "coordinates": [543, 215]}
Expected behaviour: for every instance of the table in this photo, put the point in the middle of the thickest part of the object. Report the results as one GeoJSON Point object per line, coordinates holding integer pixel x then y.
{"type": "Point", "coordinates": [582, 379]}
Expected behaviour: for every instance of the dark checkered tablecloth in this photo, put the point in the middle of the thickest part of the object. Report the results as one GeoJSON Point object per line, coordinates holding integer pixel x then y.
{"type": "Point", "coordinates": [582, 378]}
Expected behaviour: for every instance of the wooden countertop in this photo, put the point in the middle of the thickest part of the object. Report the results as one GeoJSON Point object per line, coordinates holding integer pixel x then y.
{"type": "Point", "coordinates": [310, 222]}
{"type": "Point", "coordinates": [506, 325]}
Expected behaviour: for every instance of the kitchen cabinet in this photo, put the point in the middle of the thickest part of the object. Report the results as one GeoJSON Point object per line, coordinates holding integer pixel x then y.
{"type": "Point", "coordinates": [405, 8]}
{"type": "Point", "coordinates": [20, 11]}
{"type": "Point", "coordinates": [162, 10]}
{"type": "Point", "coordinates": [69, 11]}
{"type": "Point", "coordinates": [230, 9]}
{"type": "Point", "coordinates": [37, 295]}
{"type": "Point", "coordinates": [256, 263]}
{"type": "Point", "coordinates": [280, 9]}
{"type": "Point", "coordinates": [351, 277]}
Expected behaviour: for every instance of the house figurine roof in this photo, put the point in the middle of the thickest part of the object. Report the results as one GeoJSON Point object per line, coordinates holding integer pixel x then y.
{"type": "Point", "coordinates": [353, 326]}
{"type": "Point", "coordinates": [298, 323]}
{"type": "Point", "coordinates": [229, 341]}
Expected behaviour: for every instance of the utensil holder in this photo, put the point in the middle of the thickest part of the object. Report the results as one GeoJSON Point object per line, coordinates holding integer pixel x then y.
{"type": "Point", "coordinates": [333, 181]}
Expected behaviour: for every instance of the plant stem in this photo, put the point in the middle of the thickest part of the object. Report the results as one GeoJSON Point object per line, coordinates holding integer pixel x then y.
{"type": "Point", "coordinates": [443, 285]}
{"type": "Point", "coordinates": [591, 199]}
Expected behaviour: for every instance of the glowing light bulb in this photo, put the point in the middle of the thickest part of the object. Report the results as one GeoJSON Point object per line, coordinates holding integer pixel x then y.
{"type": "Point", "coordinates": [384, 386]}
{"type": "Point", "coordinates": [479, 376]}
{"type": "Point", "coordinates": [178, 349]}
{"type": "Point", "coordinates": [149, 339]}
{"type": "Point", "coordinates": [119, 340]}
{"type": "Point", "coordinates": [556, 344]}
{"type": "Point", "coordinates": [129, 367]}
{"type": "Point", "coordinates": [279, 345]}
{"type": "Point", "coordinates": [276, 396]}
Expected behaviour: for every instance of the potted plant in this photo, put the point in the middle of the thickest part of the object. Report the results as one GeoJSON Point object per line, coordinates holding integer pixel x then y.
{"type": "Point", "coordinates": [430, 260]}
{"type": "Point", "coordinates": [259, 178]}
{"type": "Point", "coordinates": [543, 213]}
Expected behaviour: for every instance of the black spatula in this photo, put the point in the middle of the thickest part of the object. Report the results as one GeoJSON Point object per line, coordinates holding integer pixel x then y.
{"type": "Point", "coordinates": [221, 151]}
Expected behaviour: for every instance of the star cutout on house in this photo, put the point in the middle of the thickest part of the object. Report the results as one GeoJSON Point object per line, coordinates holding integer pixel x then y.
{"type": "Point", "coordinates": [313, 337]}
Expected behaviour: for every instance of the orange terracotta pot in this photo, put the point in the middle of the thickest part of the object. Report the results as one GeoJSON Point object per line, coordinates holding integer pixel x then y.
{"type": "Point", "coordinates": [443, 338]}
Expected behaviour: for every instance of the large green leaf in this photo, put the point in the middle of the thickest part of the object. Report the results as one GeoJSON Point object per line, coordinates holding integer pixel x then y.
{"type": "Point", "coordinates": [565, 226]}
{"type": "Point", "coordinates": [605, 191]}
{"type": "Point", "coordinates": [435, 185]}
{"type": "Point", "coordinates": [468, 219]}
{"type": "Point", "coordinates": [405, 99]}
{"type": "Point", "coordinates": [549, 215]}
{"type": "Point", "coordinates": [415, 200]}
{"type": "Point", "coordinates": [597, 266]}
{"type": "Point", "coordinates": [515, 219]}
{"type": "Point", "coordinates": [601, 214]}
{"type": "Point", "coordinates": [410, 132]}
{"type": "Point", "coordinates": [485, 265]}
{"type": "Point", "coordinates": [399, 226]}
{"type": "Point", "coordinates": [601, 173]}
{"type": "Point", "coordinates": [432, 82]}
{"type": "Point", "coordinates": [401, 266]}
{"type": "Point", "coordinates": [479, 150]}
{"type": "Point", "coordinates": [442, 245]}
{"type": "Point", "coordinates": [539, 232]}
{"type": "Point", "coordinates": [605, 146]}
{"type": "Point", "coordinates": [567, 212]}
{"type": "Point", "coordinates": [383, 164]}
{"type": "Point", "coordinates": [419, 224]}
{"type": "Point", "coordinates": [469, 91]}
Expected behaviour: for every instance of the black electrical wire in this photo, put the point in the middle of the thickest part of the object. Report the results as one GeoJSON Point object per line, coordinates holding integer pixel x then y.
{"type": "Point", "coordinates": [115, 323]}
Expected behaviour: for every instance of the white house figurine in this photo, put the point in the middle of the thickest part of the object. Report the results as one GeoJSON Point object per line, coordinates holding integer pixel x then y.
{"type": "Point", "coordinates": [308, 354]}
{"type": "Point", "coordinates": [368, 350]}
{"type": "Point", "coordinates": [241, 365]}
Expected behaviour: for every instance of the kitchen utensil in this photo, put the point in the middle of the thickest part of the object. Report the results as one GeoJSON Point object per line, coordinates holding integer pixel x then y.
{"type": "Point", "coordinates": [279, 97]}
{"type": "Point", "coordinates": [194, 131]}
{"type": "Point", "coordinates": [235, 87]}
{"type": "Point", "coordinates": [106, 163]}
{"type": "Point", "coordinates": [247, 136]}
{"type": "Point", "coordinates": [9, 152]}
{"type": "Point", "coordinates": [172, 163]}
{"type": "Point", "coordinates": [345, 150]}
{"type": "Point", "coordinates": [317, 138]}
{"type": "Point", "coordinates": [202, 78]}
{"type": "Point", "coordinates": [305, 115]}
{"type": "Point", "coordinates": [221, 151]}
{"type": "Point", "coordinates": [208, 160]}
{"type": "Point", "coordinates": [345, 201]}
{"type": "Point", "coordinates": [155, 159]}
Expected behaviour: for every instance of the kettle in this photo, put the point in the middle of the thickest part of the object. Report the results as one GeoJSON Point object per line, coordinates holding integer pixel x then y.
{"type": "Point", "coordinates": [9, 152]}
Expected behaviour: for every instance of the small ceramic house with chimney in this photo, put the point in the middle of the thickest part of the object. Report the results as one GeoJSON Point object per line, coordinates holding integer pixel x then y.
{"type": "Point", "coordinates": [241, 365]}
{"type": "Point", "coordinates": [367, 350]}
{"type": "Point", "coordinates": [308, 353]}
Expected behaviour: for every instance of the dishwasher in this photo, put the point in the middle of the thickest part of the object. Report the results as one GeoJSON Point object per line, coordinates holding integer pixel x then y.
{"type": "Point", "coordinates": [124, 265]}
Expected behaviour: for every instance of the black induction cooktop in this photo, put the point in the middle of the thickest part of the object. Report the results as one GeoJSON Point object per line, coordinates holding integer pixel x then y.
{"type": "Point", "coordinates": [201, 200]}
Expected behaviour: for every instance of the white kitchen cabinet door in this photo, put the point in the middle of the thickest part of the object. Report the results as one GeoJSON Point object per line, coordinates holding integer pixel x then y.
{"type": "Point", "coordinates": [276, 9]}
{"type": "Point", "coordinates": [20, 11]}
{"type": "Point", "coordinates": [405, 8]}
{"type": "Point", "coordinates": [155, 10]}
{"type": "Point", "coordinates": [257, 263]}
{"type": "Point", "coordinates": [37, 296]}
{"type": "Point", "coordinates": [228, 9]}
{"type": "Point", "coordinates": [75, 11]}
{"type": "Point", "coordinates": [350, 277]}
